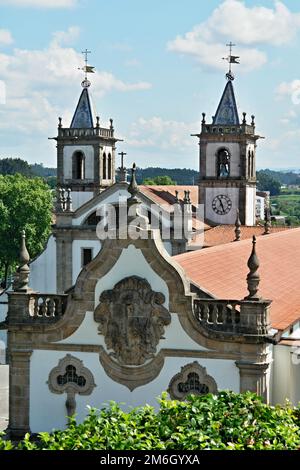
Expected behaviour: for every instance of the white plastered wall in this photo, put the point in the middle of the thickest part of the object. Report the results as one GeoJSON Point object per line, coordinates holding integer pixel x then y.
{"type": "Point", "coordinates": [211, 151]}
{"type": "Point", "coordinates": [43, 269]}
{"type": "Point", "coordinates": [119, 195]}
{"type": "Point", "coordinates": [210, 194]}
{"type": "Point", "coordinates": [286, 374]}
{"type": "Point", "coordinates": [80, 197]}
{"type": "Point", "coordinates": [250, 206]}
{"type": "Point", "coordinates": [88, 152]}
{"type": "Point", "coordinates": [77, 247]}
{"type": "Point", "coordinates": [48, 411]}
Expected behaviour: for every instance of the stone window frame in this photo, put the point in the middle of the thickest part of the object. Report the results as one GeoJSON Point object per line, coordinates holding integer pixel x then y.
{"type": "Point", "coordinates": [182, 376]}
{"type": "Point", "coordinates": [71, 388]}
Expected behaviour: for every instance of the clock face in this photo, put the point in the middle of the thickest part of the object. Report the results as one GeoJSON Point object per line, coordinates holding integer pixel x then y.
{"type": "Point", "coordinates": [221, 204]}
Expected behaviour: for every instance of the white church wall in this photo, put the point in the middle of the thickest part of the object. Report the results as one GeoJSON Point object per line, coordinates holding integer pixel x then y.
{"type": "Point", "coordinates": [80, 197]}
{"type": "Point", "coordinates": [211, 151]}
{"type": "Point", "coordinates": [211, 193]}
{"type": "Point", "coordinates": [88, 152]}
{"type": "Point", "coordinates": [131, 263]}
{"type": "Point", "coordinates": [48, 411]}
{"type": "Point", "coordinates": [113, 198]}
{"type": "Point", "coordinates": [250, 206]}
{"type": "Point", "coordinates": [281, 384]}
{"type": "Point", "coordinates": [43, 269]}
{"type": "Point", "coordinates": [77, 247]}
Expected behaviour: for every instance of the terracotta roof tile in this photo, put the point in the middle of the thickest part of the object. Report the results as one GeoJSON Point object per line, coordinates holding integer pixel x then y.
{"type": "Point", "coordinates": [222, 270]}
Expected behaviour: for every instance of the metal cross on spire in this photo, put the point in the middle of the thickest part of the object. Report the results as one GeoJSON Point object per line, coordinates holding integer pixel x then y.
{"type": "Point", "coordinates": [86, 69]}
{"type": "Point", "coordinates": [231, 59]}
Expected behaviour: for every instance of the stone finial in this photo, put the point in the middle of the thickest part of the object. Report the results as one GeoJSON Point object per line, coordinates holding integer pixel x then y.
{"type": "Point", "coordinates": [176, 196]}
{"type": "Point", "coordinates": [22, 274]}
{"type": "Point", "coordinates": [186, 197]}
{"type": "Point", "coordinates": [59, 122]}
{"type": "Point", "coordinates": [203, 118]}
{"type": "Point", "coordinates": [252, 120]}
{"type": "Point", "coordinates": [253, 277]}
{"type": "Point", "coordinates": [111, 124]}
{"type": "Point", "coordinates": [267, 223]}
{"type": "Point", "coordinates": [97, 122]}
{"type": "Point", "coordinates": [133, 187]}
{"type": "Point", "coordinates": [244, 118]}
{"type": "Point", "coordinates": [69, 200]}
{"type": "Point", "coordinates": [237, 224]}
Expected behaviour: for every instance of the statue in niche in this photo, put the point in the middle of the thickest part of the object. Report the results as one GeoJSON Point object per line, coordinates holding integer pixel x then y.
{"type": "Point", "coordinates": [132, 319]}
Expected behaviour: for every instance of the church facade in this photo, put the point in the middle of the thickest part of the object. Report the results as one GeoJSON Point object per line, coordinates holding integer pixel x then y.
{"type": "Point", "coordinates": [131, 315]}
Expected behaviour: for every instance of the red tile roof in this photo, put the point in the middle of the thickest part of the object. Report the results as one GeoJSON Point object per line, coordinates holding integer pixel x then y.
{"type": "Point", "coordinates": [222, 270]}
{"type": "Point", "coordinates": [225, 233]}
{"type": "Point", "coordinates": [166, 194]}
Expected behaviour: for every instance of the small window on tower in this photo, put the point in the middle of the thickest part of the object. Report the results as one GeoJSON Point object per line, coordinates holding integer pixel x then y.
{"type": "Point", "coordinates": [104, 175]}
{"type": "Point", "coordinates": [78, 166]}
{"type": "Point", "coordinates": [109, 166]}
{"type": "Point", "coordinates": [86, 256]}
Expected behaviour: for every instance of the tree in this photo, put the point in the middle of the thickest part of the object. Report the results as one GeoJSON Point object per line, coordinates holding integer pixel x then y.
{"type": "Point", "coordinates": [159, 181]}
{"type": "Point", "coordinates": [11, 166]}
{"type": "Point", "coordinates": [266, 182]}
{"type": "Point", "coordinates": [25, 203]}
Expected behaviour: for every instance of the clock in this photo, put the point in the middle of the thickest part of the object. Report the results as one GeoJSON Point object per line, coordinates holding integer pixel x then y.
{"type": "Point", "coordinates": [222, 204]}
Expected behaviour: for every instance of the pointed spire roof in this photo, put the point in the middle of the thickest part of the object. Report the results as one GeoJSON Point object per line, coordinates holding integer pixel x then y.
{"type": "Point", "coordinates": [84, 116]}
{"type": "Point", "coordinates": [227, 113]}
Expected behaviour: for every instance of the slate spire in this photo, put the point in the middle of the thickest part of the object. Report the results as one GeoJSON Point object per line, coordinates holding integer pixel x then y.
{"type": "Point", "coordinates": [84, 116]}
{"type": "Point", "coordinates": [227, 113]}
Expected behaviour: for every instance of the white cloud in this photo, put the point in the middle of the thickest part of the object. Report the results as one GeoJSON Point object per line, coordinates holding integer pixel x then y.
{"type": "Point", "coordinates": [247, 26]}
{"type": "Point", "coordinates": [290, 89]}
{"type": "Point", "coordinates": [159, 133]}
{"type": "Point", "coordinates": [43, 84]}
{"type": "Point", "coordinates": [40, 3]}
{"type": "Point", "coordinates": [5, 37]}
{"type": "Point", "coordinates": [61, 38]}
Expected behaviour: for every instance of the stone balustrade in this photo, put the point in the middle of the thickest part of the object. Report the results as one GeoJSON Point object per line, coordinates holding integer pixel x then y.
{"type": "Point", "coordinates": [34, 308]}
{"type": "Point", "coordinates": [233, 316]}
{"type": "Point", "coordinates": [47, 305]}
{"type": "Point", "coordinates": [217, 129]}
{"type": "Point", "coordinates": [96, 131]}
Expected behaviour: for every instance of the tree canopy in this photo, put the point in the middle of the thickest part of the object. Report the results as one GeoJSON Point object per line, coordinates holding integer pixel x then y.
{"type": "Point", "coordinates": [11, 166]}
{"type": "Point", "coordinates": [267, 182]}
{"type": "Point", "coordinates": [25, 203]}
{"type": "Point", "coordinates": [159, 180]}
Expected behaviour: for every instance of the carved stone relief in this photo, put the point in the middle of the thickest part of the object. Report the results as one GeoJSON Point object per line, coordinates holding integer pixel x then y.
{"type": "Point", "coordinates": [192, 379]}
{"type": "Point", "coordinates": [71, 377]}
{"type": "Point", "coordinates": [132, 320]}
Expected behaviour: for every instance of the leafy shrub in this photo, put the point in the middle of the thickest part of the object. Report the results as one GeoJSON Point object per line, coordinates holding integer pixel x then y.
{"type": "Point", "coordinates": [224, 421]}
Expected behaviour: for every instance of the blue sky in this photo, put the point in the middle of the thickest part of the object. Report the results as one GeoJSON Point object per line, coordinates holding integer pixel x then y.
{"type": "Point", "coordinates": [158, 68]}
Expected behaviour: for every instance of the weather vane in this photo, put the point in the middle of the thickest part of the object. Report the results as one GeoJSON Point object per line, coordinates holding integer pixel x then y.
{"type": "Point", "coordinates": [86, 69]}
{"type": "Point", "coordinates": [231, 59]}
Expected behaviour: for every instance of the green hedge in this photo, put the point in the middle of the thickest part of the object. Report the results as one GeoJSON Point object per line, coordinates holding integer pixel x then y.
{"type": "Point", "coordinates": [224, 421]}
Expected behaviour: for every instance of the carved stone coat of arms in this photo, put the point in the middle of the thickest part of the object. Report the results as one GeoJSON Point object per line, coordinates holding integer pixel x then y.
{"type": "Point", "coordinates": [132, 320]}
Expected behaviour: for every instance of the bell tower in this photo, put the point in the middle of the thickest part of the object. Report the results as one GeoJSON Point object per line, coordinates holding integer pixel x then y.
{"type": "Point", "coordinates": [227, 180]}
{"type": "Point", "coordinates": [85, 150]}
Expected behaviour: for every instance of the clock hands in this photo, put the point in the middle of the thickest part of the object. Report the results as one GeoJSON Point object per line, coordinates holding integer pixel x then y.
{"type": "Point", "coordinates": [221, 203]}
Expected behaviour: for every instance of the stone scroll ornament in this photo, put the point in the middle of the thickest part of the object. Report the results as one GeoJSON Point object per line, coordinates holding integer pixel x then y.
{"type": "Point", "coordinates": [132, 319]}
{"type": "Point", "coordinates": [71, 377]}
